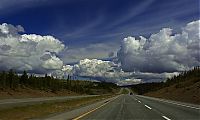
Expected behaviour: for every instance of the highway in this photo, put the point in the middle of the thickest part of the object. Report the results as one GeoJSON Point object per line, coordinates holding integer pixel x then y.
{"type": "Point", "coordinates": [120, 107]}
{"type": "Point", "coordinates": [9, 103]}
{"type": "Point", "coordinates": [132, 107]}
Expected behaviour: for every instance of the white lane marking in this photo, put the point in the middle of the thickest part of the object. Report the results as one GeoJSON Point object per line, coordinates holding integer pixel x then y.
{"type": "Point", "coordinates": [166, 118]}
{"type": "Point", "coordinates": [180, 104]}
{"type": "Point", "coordinates": [148, 107]}
{"type": "Point", "coordinates": [166, 101]}
{"type": "Point", "coordinates": [139, 101]}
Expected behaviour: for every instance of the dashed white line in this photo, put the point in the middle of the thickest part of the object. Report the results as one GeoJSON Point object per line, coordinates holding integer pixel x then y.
{"type": "Point", "coordinates": [139, 101]}
{"type": "Point", "coordinates": [166, 118]}
{"type": "Point", "coordinates": [148, 107]}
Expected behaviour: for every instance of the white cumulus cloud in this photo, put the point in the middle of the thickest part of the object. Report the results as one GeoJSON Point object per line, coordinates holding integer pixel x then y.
{"type": "Point", "coordinates": [53, 63]}
{"type": "Point", "coordinates": [28, 52]}
{"type": "Point", "coordinates": [99, 69]}
{"type": "Point", "coordinates": [162, 51]}
{"type": "Point", "coordinates": [129, 81]}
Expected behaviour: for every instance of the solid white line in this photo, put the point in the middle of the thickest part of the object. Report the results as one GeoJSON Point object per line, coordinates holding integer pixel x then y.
{"type": "Point", "coordinates": [166, 118]}
{"type": "Point", "coordinates": [166, 101]}
{"type": "Point", "coordinates": [148, 107]}
{"type": "Point", "coordinates": [180, 104]}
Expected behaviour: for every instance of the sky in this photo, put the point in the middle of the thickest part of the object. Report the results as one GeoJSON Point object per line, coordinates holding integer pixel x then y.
{"type": "Point", "coordinates": [121, 41]}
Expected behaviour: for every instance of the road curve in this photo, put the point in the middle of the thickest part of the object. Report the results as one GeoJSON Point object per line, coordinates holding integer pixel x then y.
{"type": "Point", "coordinates": [131, 107]}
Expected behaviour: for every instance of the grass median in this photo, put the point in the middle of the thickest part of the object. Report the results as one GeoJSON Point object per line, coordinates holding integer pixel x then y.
{"type": "Point", "coordinates": [43, 109]}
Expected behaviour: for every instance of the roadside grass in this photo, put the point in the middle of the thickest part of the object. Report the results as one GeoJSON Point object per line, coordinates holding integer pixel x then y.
{"type": "Point", "coordinates": [43, 109]}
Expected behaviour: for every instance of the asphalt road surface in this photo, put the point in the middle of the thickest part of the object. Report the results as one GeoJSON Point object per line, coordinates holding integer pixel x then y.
{"type": "Point", "coordinates": [132, 107]}
{"type": "Point", "coordinates": [9, 103]}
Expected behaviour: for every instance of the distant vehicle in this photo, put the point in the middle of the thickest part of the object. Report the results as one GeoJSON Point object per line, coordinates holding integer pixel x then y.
{"type": "Point", "coordinates": [130, 93]}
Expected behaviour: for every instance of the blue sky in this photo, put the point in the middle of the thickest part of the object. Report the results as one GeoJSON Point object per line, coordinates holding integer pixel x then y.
{"type": "Point", "coordinates": [96, 28]}
{"type": "Point", "coordinates": [83, 22]}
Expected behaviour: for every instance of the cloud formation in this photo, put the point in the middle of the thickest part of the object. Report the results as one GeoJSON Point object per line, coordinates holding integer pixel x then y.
{"type": "Point", "coordinates": [91, 51]}
{"type": "Point", "coordinates": [161, 55]}
{"type": "Point", "coordinates": [98, 69]}
{"type": "Point", "coordinates": [130, 81]}
{"type": "Point", "coordinates": [152, 77]}
{"type": "Point", "coordinates": [28, 52]}
{"type": "Point", "coordinates": [162, 51]}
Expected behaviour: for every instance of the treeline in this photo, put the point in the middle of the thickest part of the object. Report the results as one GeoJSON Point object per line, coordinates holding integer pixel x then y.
{"type": "Point", "coordinates": [11, 80]}
{"type": "Point", "coordinates": [147, 87]}
{"type": "Point", "coordinates": [191, 76]}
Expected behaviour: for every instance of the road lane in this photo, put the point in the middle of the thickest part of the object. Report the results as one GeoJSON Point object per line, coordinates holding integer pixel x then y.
{"type": "Point", "coordinates": [173, 110]}
{"type": "Point", "coordinates": [9, 103]}
{"type": "Point", "coordinates": [123, 108]}
{"type": "Point", "coordinates": [133, 107]}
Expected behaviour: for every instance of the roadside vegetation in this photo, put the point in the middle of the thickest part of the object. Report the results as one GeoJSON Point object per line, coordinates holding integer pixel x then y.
{"type": "Point", "coordinates": [184, 87]}
{"type": "Point", "coordinates": [12, 82]}
{"type": "Point", "coordinates": [45, 109]}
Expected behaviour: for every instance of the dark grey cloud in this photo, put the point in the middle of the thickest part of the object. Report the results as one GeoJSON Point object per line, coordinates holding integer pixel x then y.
{"type": "Point", "coordinates": [5, 47]}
